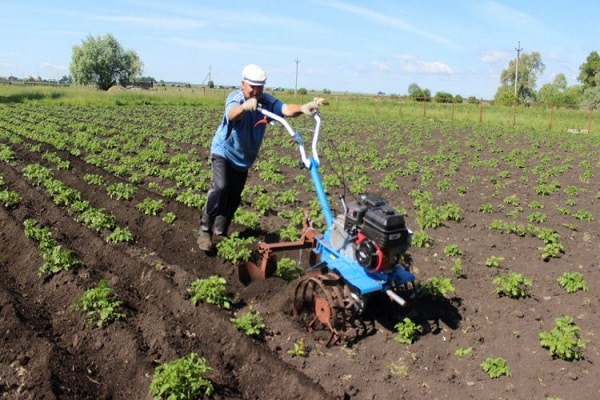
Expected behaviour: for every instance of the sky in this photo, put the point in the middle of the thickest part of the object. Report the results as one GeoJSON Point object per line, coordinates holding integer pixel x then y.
{"type": "Point", "coordinates": [458, 47]}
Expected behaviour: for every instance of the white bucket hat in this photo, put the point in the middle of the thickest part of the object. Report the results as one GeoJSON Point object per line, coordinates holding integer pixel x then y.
{"type": "Point", "coordinates": [254, 75]}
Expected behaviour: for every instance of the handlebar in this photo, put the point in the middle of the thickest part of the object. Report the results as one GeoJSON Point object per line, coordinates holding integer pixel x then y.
{"type": "Point", "coordinates": [297, 138]}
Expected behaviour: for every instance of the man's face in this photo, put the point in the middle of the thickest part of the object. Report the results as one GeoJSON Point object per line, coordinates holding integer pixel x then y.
{"type": "Point", "coordinates": [252, 91]}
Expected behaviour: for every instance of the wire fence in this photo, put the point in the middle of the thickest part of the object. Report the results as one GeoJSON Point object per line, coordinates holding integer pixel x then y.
{"type": "Point", "coordinates": [568, 118]}
{"type": "Point", "coordinates": [541, 117]}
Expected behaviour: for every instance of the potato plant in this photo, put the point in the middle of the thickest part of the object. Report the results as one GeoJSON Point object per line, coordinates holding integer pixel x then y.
{"type": "Point", "coordinates": [99, 305]}
{"type": "Point", "coordinates": [184, 378]}
{"type": "Point", "coordinates": [563, 340]}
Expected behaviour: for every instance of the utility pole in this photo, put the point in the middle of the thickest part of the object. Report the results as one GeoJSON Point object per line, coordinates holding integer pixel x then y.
{"type": "Point", "coordinates": [296, 86]}
{"type": "Point", "coordinates": [208, 76]}
{"type": "Point", "coordinates": [518, 49]}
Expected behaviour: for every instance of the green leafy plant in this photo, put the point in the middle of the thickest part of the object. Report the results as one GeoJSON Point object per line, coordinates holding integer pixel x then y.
{"type": "Point", "coordinates": [299, 349]}
{"type": "Point", "coordinates": [99, 305]}
{"type": "Point", "coordinates": [121, 191]}
{"type": "Point", "coordinates": [398, 369]}
{"type": "Point", "coordinates": [537, 217]}
{"type": "Point", "coordinates": [572, 282]}
{"type": "Point", "coordinates": [182, 379]}
{"type": "Point", "coordinates": [513, 285]}
{"type": "Point", "coordinates": [486, 208]}
{"type": "Point", "coordinates": [551, 250]}
{"type": "Point", "coordinates": [421, 239]}
{"type": "Point", "coordinates": [428, 217]}
{"type": "Point", "coordinates": [452, 250]}
{"type": "Point", "coordinates": [96, 219]}
{"type": "Point", "coordinates": [563, 340]}
{"type": "Point", "coordinates": [457, 269]}
{"type": "Point", "coordinates": [263, 203]}
{"type": "Point", "coordinates": [407, 331]}
{"type": "Point", "coordinates": [288, 269]}
{"type": "Point", "coordinates": [247, 218]}
{"type": "Point", "coordinates": [463, 352]}
{"type": "Point", "coordinates": [210, 290]}
{"type": "Point", "coordinates": [289, 232]}
{"type": "Point", "coordinates": [150, 207]}
{"type": "Point", "coordinates": [584, 215]}
{"type": "Point", "coordinates": [9, 198]}
{"type": "Point", "coordinates": [512, 200]}
{"type": "Point", "coordinates": [235, 249]}
{"type": "Point", "coordinates": [57, 259]}
{"type": "Point", "coordinates": [437, 287]}
{"type": "Point", "coordinates": [495, 367]}
{"type": "Point", "coordinates": [493, 261]}
{"type": "Point", "coordinates": [120, 235]}
{"type": "Point", "coordinates": [249, 322]}
{"type": "Point", "coordinates": [169, 217]}
{"type": "Point", "coordinates": [94, 179]}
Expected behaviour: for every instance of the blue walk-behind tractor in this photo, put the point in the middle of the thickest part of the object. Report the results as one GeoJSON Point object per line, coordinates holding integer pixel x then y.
{"type": "Point", "coordinates": [358, 255]}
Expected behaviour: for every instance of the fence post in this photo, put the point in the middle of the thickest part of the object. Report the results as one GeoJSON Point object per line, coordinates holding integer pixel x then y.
{"type": "Point", "coordinates": [424, 108]}
{"type": "Point", "coordinates": [551, 110]}
{"type": "Point", "coordinates": [515, 114]}
{"type": "Point", "coordinates": [452, 110]}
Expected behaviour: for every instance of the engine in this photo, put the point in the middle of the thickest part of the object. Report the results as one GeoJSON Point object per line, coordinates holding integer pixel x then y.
{"type": "Point", "coordinates": [378, 231]}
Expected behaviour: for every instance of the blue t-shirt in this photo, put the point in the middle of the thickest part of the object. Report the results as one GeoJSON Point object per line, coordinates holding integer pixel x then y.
{"type": "Point", "coordinates": [239, 141]}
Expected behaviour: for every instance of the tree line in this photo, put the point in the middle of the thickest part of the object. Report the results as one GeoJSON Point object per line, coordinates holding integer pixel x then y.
{"type": "Point", "coordinates": [103, 61]}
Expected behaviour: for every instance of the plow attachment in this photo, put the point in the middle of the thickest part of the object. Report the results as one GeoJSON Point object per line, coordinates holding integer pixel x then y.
{"type": "Point", "coordinates": [249, 271]}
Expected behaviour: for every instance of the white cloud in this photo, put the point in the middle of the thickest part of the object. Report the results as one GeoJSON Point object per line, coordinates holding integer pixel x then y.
{"type": "Point", "coordinates": [410, 63]}
{"type": "Point", "coordinates": [381, 66]}
{"type": "Point", "coordinates": [495, 56]}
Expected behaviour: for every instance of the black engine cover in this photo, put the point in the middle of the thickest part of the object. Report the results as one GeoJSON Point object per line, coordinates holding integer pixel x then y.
{"type": "Point", "coordinates": [378, 221]}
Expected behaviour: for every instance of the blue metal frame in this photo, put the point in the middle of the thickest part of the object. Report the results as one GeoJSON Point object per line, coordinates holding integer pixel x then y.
{"type": "Point", "coordinates": [353, 273]}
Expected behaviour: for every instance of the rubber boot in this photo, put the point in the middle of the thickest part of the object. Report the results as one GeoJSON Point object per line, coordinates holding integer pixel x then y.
{"type": "Point", "coordinates": [205, 235]}
{"type": "Point", "coordinates": [221, 225]}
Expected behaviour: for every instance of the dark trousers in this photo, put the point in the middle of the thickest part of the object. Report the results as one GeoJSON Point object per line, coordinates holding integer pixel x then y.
{"type": "Point", "coordinates": [225, 194]}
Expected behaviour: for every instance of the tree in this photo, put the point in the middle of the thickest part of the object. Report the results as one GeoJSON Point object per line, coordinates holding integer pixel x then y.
{"type": "Point", "coordinates": [560, 81]}
{"type": "Point", "coordinates": [592, 95]}
{"type": "Point", "coordinates": [558, 92]}
{"type": "Point", "coordinates": [103, 61]}
{"type": "Point", "coordinates": [528, 67]}
{"type": "Point", "coordinates": [505, 95]}
{"type": "Point", "coordinates": [418, 94]}
{"type": "Point", "coordinates": [589, 71]}
{"type": "Point", "coordinates": [442, 97]}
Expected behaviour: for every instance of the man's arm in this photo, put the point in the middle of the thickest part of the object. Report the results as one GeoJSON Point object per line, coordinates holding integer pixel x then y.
{"type": "Point", "coordinates": [236, 112]}
{"type": "Point", "coordinates": [291, 110]}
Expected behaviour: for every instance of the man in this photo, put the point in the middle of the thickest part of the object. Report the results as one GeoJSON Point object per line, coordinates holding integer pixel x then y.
{"type": "Point", "coordinates": [235, 147]}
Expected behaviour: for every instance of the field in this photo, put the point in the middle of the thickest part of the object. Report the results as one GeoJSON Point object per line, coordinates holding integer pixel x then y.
{"type": "Point", "coordinates": [117, 187]}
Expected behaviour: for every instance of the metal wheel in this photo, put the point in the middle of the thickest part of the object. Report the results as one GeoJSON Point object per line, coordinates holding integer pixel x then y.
{"type": "Point", "coordinates": [323, 302]}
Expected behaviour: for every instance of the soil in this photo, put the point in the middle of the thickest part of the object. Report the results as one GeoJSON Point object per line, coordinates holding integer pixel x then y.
{"type": "Point", "coordinates": [47, 351]}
